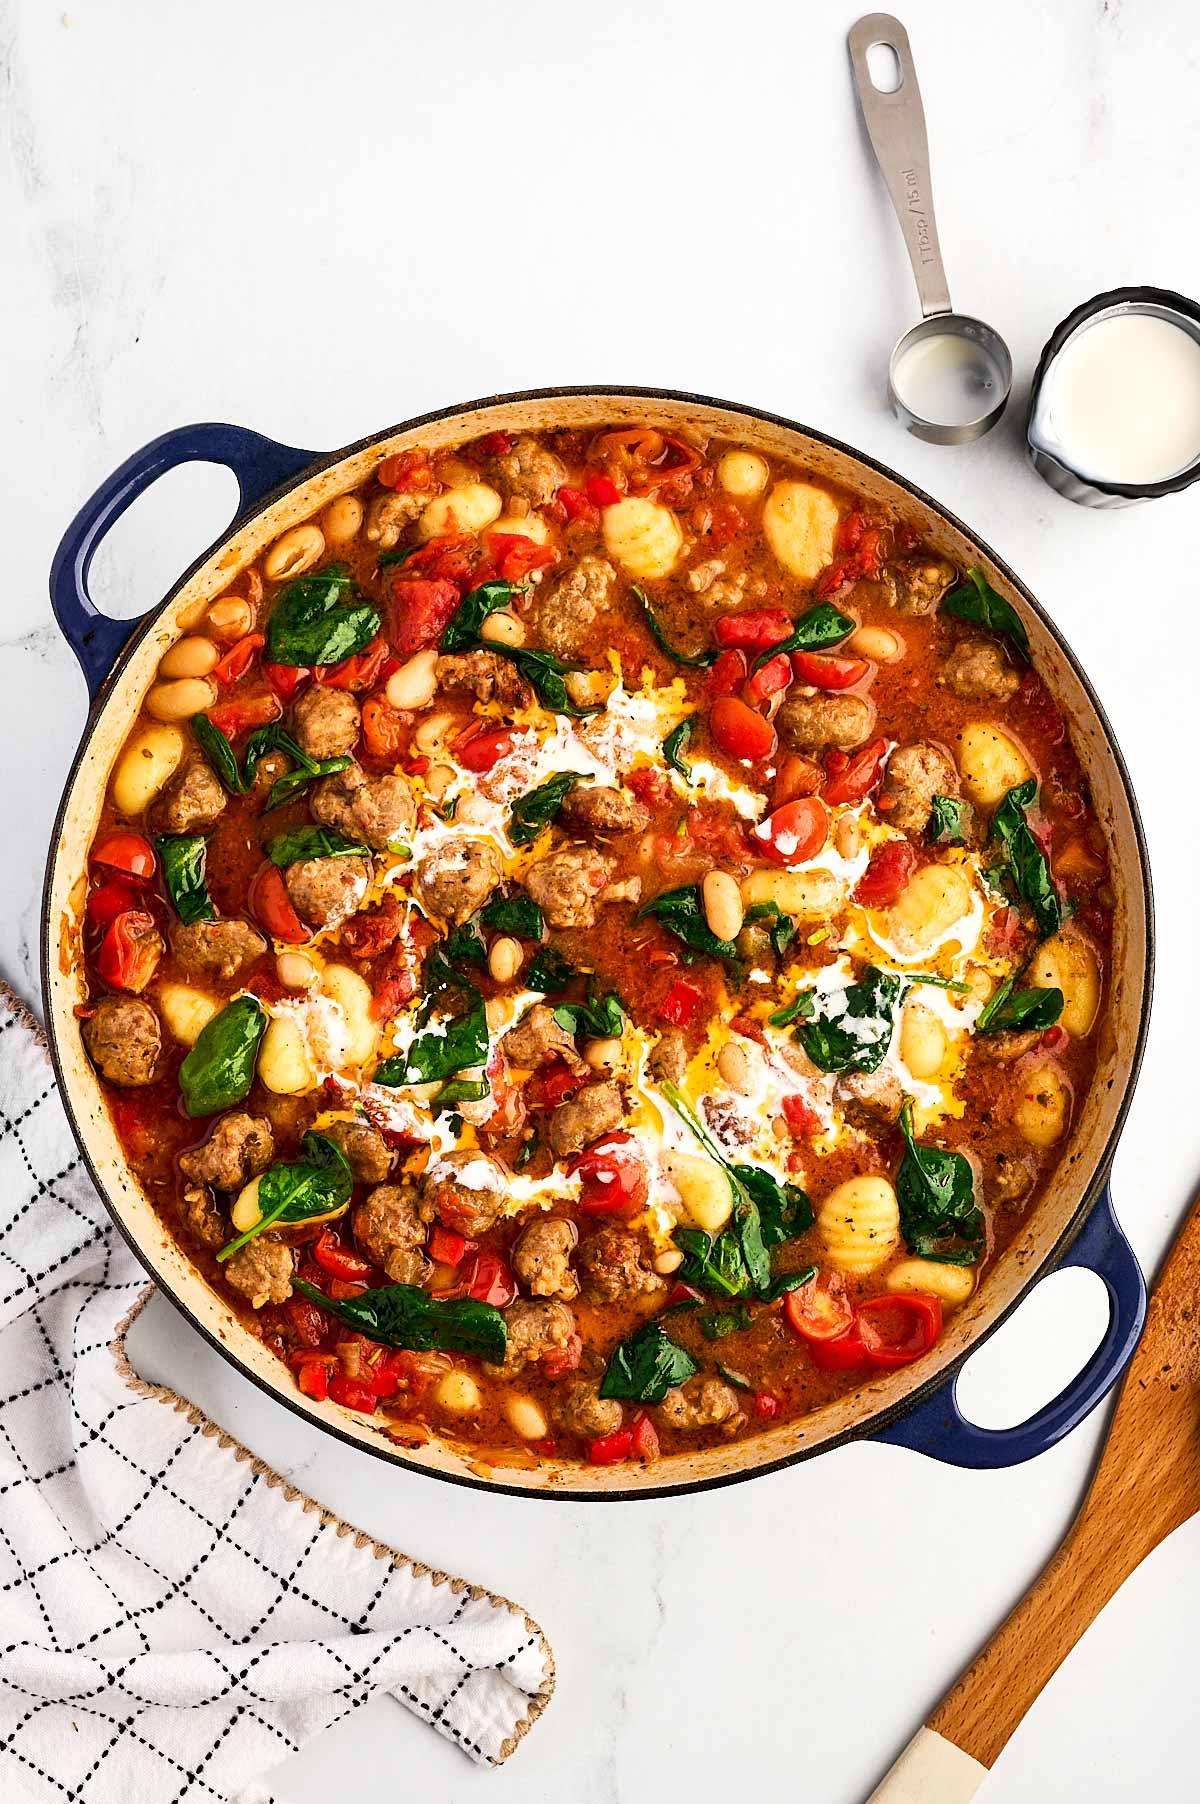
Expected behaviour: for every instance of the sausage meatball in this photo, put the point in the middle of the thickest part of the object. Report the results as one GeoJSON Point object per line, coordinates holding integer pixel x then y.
{"type": "Point", "coordinates": [457, 877]}
{"type": "Point", "coordinates": [566, 614]}
{"type": "Point", "coordinates": [541, 1259]}
{"type": "Point", "coordinates": [216, 948]}
{"type": "Point", "coordinates": [202, 1220]}
{"type": "Point", "coordinates": [870, 1100]}
{"type": "Point", "coordinates": [701, 1403]}
{"type": "Point", "coordinates": [566, 886]}
{"type": "Point", "coordinates": [575, 1124]}
{"type": "Point", "coordinates": [324, 891]}
{"type": "Point", "coordinates": [530, 471]}
{"type": "Point", "coordinates": [811, 722]}
{"type": "Point", "coordinates": [124, 1038]}
{"type": "Point", "coordinates": [914, 775]}
{"type": "Point", "coordinates": [465, 1190]}
{"type": "Point", "coordinates": [978, 670]}
{"type": "Point", "coordinates": [262, 1271]}
{"type": "Point", "coordinates": [603, 810]}
{"type": "Point", "coordinates": [389, 1228]}
{"type": "Point", "coordinates": [613, 1264]}
{"type": "Point", "coordinates": [583, 1411]}
{"type": "Point", "coordinates": [192, 802]}
{"type": "Point", "coordinates": [537, 1039]}
{"type": "Point", "coordinates": [378, 811]}
{"type": "Point", "coordinates": [488, 676]}
{"type": "Point", "coordinates": [364, 1149]}
{"type": "Point", "coordinates": [534, 1330]}
{"type": "Point", "coordinates": [238, 1149]}
{"type": "Point", "coordinates": [326, 722]}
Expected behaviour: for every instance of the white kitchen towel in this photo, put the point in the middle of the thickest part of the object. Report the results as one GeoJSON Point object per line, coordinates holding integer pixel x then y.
{"type": "Point", "coordinates": [174, 1618]}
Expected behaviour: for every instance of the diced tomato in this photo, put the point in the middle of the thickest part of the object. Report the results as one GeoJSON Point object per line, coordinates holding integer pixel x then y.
{"type": "Point", "coordinates": [311, 1356]}
{"type": "Point", "coordinates": [753, 1030]}
{"type": "Point", "coordinates": [451, 557]}
{"type": "Point", "coordinates": [479, 749]}
{"type": "Point", "coordinates": [110, 900]}
{"type": "Point", "coordinates": [680, 1003]}
{"type": "Point", "coordinates": [709, 829]}
{"type": "Point", "coordinates": [552, 1085]}
{"type": "Point", "coordinates": [313, 1380]}
{"type": "Point", "coordinates": [728, 674]}
{"type": "Point", "coordinates": [739, 731]}
{"type": "Point", "coordinates": [853, 780]}
{"type": "Point", "coordinates": [719, 521]}
{"type": "Point", "coordinates": [651, 787]}
{"type": "Point", "coordinates": [820, 1309]}
{"type": "Point", "coordinates": [372, 931]}
{"type": "Point", "coordinates": [352, 1395]}
{"type": "Point", "coordinates": [860, 549]}
{"type": "Point", "coordinates": [611, 1449]}
{"type": "Point", "coordinates": [828, 673]}
{"type": "Point", "coordinates": [766, 1405]}
{"type": "Point", "coordinates": [285, 679]}
{"type": "Point", "coordinates": [362, 670]}
{"type": "Point", "coordinates": [612, 1174]}
{"type": "Point", "coordinates": [800, 1116]}
{"type": "Point", "coordinates": [385, 1374]}
{"type": "Point", "coordinates": [245, 712]}
{"type": "Point", "coordinates": [845, 1354]}
{"type": "Point", "coordinates": [773, 676]}
{"type": "Point", "coordinates": [489, 1278]}
{"type": "Point", "coordinates": [409, 472]}
{"type": "Point", "coordinates": [128, 853]}
{"type": "Point", "coordinates": [579, 510]}
{"type": "Point", "coordinates": [794, 833]}
{"type": "Point", "coordinates": [448, 1248]}
{"type": "Point", "coordinates": [1055, 1038]}
{"type": "Point", "coordinates": [307, 1322]}
{"type": "Point", "coordinates": [336, 1260]}
{"type": "Point", "coordinates": [238, 658]}
{"type": "Point", "coordinates": [795, 776]}
{"type": "Point", "coordinates": [130, 951]}
{"type": "Point", "coordinates": [556, 1362]}
{"type": "Point", "coordinates": [514, 555]}
{"type": "Point", "coordinates": [897, 1329]}
{"type": "Point", "coordinates": [495, 444]}
{"type": "Point", "coordinates": [645, 1440]}
{"type": "Point", "coordinates": [891, 866]}
{"type": "Point", "coordinates": [269, 903]}
{"type": "Point", "coordinates": [421, 607]}
{"type": "Point", "coordinates": [603, 491]}
{"type": "Point", "coordinates": [385, 735]}
{"type": "Point", "coordinates": [756, 631]}
{"type": "Point", "coordinates": [850, 530]}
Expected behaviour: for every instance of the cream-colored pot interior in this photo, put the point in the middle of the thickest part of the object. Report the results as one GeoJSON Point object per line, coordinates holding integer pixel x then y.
{"type": "Point", "coordinates": [1085, 1156]}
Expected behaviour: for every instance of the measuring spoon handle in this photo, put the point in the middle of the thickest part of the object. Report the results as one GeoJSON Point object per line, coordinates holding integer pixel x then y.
{"type": "Point", "coordinates": [896, 125]}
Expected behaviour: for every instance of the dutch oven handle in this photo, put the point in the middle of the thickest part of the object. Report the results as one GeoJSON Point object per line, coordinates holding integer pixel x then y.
{"type": "Point", "coordinates": [937, 1426]}
{"type": "Point", "coordinates": [260, 465]}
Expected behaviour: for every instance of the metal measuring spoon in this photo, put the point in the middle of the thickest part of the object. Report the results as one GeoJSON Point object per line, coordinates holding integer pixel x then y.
{"type": "Point", "coordinates": [949, 377]}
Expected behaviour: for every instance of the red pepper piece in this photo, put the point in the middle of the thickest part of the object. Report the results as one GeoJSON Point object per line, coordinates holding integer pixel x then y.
{"type": "Point", "coordinates": [766, 1405]}
{"type": "Point", "coordinates": [245, 712]}
{"type": "Point", "coordinates": [420, 607]}
{"type": "Point", "coordinates": [774, 675]}
{"type": "Point", "coordinates": [611, 1449]}
{"type": "Point", "coordinates": [448, 1248]}
{"type": "Point", "coordinates": [853, 780]}
{"type": "Point", "coordinates": [336, 1260]}
{"type": "Point", "coordinates": [579, 510]}
{"type": "Point", "coordinates": [313, 1380]}
{"type": "Point", "coordinates": [756, 631]}
{"type": "Point", "coordinates": [352, 1395]}
{"type": "Point", "coordinates": [603, 491]}
{"type": "Point", "coordinates": [680, 1003]}
{"type": "Point", "coordinates": [238, 658]}
{"type": "Point", "coordinates": [645, 1440]}
{"type": "Point", "coordinates": [800, 1116]}
{"type": "Point", "coordinates": [285, 679]}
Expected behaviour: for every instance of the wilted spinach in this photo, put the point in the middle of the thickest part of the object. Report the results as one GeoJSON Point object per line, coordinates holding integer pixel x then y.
{"type": "Point", "coordinates": [681, 911]}
{"type": "Point", "coordinates": [701, 661]}
{"type": "Point", "coordinates": [676, 744]}
{"type": "Point", "coordinates": [550, 971]}
{"type": "Point", "coordinates": [646, 1366]}
{"type": "Point", "coordinates": [219, 1069]}
{"type": "Point", "coordinates": [442, 1049]}
{"type": "Point", "coordinates": [816, 630]}
{"type": "Point", "coordinates": [517, 914]}
{"type": "Point", "coordinates": [183, 858]}
{"type": "Point", "coordinates": [947, 822]}
{"type": "Point", "coordinates": [1019, 1011]}
{"type": "Point", "coordinates": [464, 626]}
{"type": "Point", "coordinates": [935, 1189]}
{"type": "Point", "coordinates": [404, 1315]}
{"type": "Point", "coordinates": [857, 1037]}
{"type": "Point", "coordinates": [977, 601]}
{"type": "Point", "coordinates": [1025, 865]}
{"type": "Point", "coordinates": [314, 1185]}
{"type": "Point", "coordinates": [532, 813]}
{"type": "Point", "coordinates": [320, 619]}
{"type": "Point", "coordinates": [301, 843]}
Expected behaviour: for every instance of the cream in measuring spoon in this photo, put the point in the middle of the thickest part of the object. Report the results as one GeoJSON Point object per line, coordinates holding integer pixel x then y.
{"type": "Point", "coordinates": [1122, 399]}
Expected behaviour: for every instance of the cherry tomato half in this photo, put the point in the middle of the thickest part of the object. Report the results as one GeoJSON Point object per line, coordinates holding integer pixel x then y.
{"type": "Point", "coordinates": [768, 680]}
{"type": "Point", "coordinates": [130, 951]}
{"type": "Point", "coordinates": [820, 1309]}
{"type": "Point", "coordinates": [271, 906]}
{"type": "Point", "coordinates": [728, 674]}
{"type": "Point", "coordinates": [612, 1174]}
{"type": "Point", "coordinates": [244, 712]}
{"type": "Point", "coordinates": [128, 853]}
{"type": "Point", "coordinates": [756, 631]}
{"type": "Point", "coordinates": [897, 1329]}
{"type": "Point", "coordinates": [285, 679]}
{"type": "Point", "coordinates": [479, 751]}
{"type": "Point", "coordinates": [336, 1260]}
{"type": "Point", "coordinates": [845, 1354]}
{"type": "Point", "coordinates": [854, 780]}
{"type": "Point", "coordinates": [794, 833]}
{"type": "Point", "coordinates": [739, 731]}
{"type": "Point", "coordinates": [385, 735]}
{"type": "Point", "coordinates": [488, 1278]}
{"type": "Point", "coordinates": [891, 866]}
{"type": "Point", "coordinates": [828, 673]}
{"type": "Point", "coordinates": [110, 900]}
{"type": "Point", "coordinates": [238, 658]}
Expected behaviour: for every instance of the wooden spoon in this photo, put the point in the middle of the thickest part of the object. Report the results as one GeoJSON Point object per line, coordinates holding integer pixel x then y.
{"type": "Point", "coordinates": [1146, 1484]}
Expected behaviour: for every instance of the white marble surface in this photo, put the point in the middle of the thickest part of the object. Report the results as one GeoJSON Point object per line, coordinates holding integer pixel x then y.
{"type": "Point", "coordinates": [316, 220]}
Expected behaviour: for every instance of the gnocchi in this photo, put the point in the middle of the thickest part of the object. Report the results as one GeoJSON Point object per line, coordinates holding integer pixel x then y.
{"type": "Point", "coordinates": [187, 1012]}
{"type": "Point", "coordinates": [990, 763]}
{"type": "Point", "coordinates": [703, 1188]}
{"type": "Point", "coordinates": [472, 508]}
{"type": "Point", "coordinates": [743, 474]}
{"type": "Point", "coordinates": [1066, 962]}
{"type": "Point", "coordinates": [859, 1223]}
{"type": "Point", "coordinates": [951, 1284]}
{"type": "Point", "coordinates": [923, 1040]}
{"type": "Point", "coordinates": [284, 1066]}
{"type": "Point", "coordinates": [529, 526]}
{"type": "Point", "coordinates": [145, 767]}
{"type": "Point", "coordinates": [352, 996]}
{"type": "Point", "coordinates": [793, 892]}
{"type": "Point", "coordinates": [1043, 1107]}
{"type": "Point", "coordinates": [642, 536]}
{"type": "Point", "coordinates": [928, 906]}
{"type": "Point", "coordinates": [800, 522]}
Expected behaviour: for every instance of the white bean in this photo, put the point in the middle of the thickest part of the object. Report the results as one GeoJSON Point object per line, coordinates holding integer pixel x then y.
{"type": "Point", "coordinates": [668, 1262]}
{"type": "Point", "coordinates": [525, 1416]}
{"type": "Point", "coordinates": [602, 1055]}
{"type": "Point", "coordinates": [504, 959]}
{"type": "Point", "coordinates": [723, 909]}
{"type": "Point", "coordinates": [296, 970]}
{"type": "Point", "coordinates": [230, 618]}
{"type": "Point", "coordinates": [877, 643]}
{"type": "Point", "coordinates": [503, 628]}
{"type": "Point", "coordinates": [457, 1392]}
{"type": "Point", "coordinates": [430, 734]}
{"type": "Point", "coordinates": [181, 698]}
{"type": "Point", "coordinates": [294, 553]}
{"type": "Point", "coordinates": [343, 519]}
{"type": "Point", "coordinates": [438, 779]}
{"type": "Point", "coordinates": [739, 1066]}
{"type": "Point", "coordinates": [414, 685]}
{"type": "Point", "coordinates": [145, 767]}
{"type": "Point", "coordinates": [846, 836]}
{"type": "Point", "coordinates": [194, 656]}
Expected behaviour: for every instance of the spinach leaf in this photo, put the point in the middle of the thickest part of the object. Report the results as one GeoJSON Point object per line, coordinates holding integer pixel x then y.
{"type": "Point", "coordinates": [319, 619]}
{"type": "Point", "coordinates": [646, 1366]}
{"type": "Point", "coordinates": [935, 982]}
{"type": "Point", "coordinates": [601, 1018]}
{"type": "Point", "coordinates": [700, 662]}
{"type": "Point", "coordinates": [857, 1038]}
{"type": "Point", "coordinates": [682, 912]}
{"type": "Point", "coordinates": [1019, 1011]}
{"type": "Point", "coordinates": [738, 1379]}
{"type": "Point", "coordinates": [316, 1184]}
{"type": "Point", "coordinates": [404, 1315]}
{"type": "Point", "coordinates": [461, 1089]}
{"type": "Point", "coordinates": [784, 1210]}
{"type": "Point", "coordinates": [746, 1221]}
{"type": "Point", "coordinates": [550, 971]}
{"type": "Point", "coordinates": [463, 946]}
{"type": "Point", "coordinates": [936, 1192]}
{"type": "Point", "coordinates": [779, 1286]}
{"type": "Point", "coordinates": [676, 744]}
{"type": "Point", "coordinates": [947, 822]}
{"type": "Point", "coordinates": [715, 1324]}
{"type": "Point", "coordinates": [463, 628]}
{"type": "Point", "coordinates": [300, 843]}
{"type": "Point", "coordinates": [1025, 864]}
{"type": "Point", "coordinates": [183, 858]}
{"type": "Point", "coordinates": [815, 630]}
{"type": "Point", "coordinates": [977, 601]}
{"type": "Point", "coordinates": [546, 674]}
{"type": "Point", "coordinates": [532, 813]}
{"type": "Point", "coordinates": [713, 1265]}
{"type": "Point", "coordinates": [800, 1008]}
{"type": "Point", "coordinates": [219, 1069]}
{"type": "Point", "coordinates": [782, 930]}
{"type": "Point", "coordinates": [219, 752]}
{"type": "Point", "coordinates": [517, 914]}
{"type": "Point", "coordinates": [452, 1044]}
{"type": "Point", "coordinates": [287, 787]}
